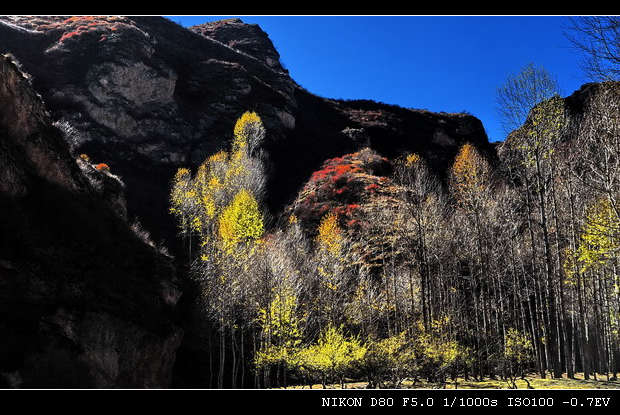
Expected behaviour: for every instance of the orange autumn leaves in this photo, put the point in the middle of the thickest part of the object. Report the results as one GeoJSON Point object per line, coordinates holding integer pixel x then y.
{"type": "Point", "coordinates": [470, 178]}
{"type": "Point", "coordinates": [330, 236]}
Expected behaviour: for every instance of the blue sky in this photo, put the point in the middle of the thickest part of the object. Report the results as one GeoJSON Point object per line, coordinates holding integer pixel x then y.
{"type": "Point", "coordinates": [440, 63]}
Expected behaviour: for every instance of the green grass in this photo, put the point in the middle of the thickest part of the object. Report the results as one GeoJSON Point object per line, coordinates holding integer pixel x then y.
{"type": "Point", "coordinates": [535, 383]}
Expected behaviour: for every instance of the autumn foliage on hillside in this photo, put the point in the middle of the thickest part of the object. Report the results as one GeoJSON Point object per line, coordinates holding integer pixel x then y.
{"type": "Point", "coordinates": [342, 186]}
{"type": "Point", "coordinates": [69, 29]}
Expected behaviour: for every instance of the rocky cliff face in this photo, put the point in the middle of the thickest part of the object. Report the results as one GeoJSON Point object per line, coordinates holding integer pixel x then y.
{"type": "Point", "coordinates": [148, 96]}
{"type": "Point", "coordinates": [85, 301]}
{"type": "Point", "coordinates": [244, 38]}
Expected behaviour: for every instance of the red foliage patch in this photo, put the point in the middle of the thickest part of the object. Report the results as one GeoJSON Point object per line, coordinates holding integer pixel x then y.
{"type": "Point", "coordinates": [68, 35]}
{"type": "Point", "coordinates": [77, 26]}
{"type": "Point", "coordinates": [341, 186]}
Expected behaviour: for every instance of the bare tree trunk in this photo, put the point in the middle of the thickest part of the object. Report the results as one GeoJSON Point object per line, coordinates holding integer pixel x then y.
{"type": "Point", "coordinates": [234, 358]}
{"type": "Point", "coordinates": [220, 379]}
{"type": "Point", "coordinates": [551, 312]}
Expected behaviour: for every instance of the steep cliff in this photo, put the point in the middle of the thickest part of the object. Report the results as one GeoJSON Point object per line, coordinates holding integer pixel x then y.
{"type": "Point", "coordinates": [85, 300]}
{"type": "Point", "coordinates": [242, 37]}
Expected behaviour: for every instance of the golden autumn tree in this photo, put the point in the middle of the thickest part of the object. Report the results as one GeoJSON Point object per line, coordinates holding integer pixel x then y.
{"type": "Point", "coordinates": [198, 202]}
{"type": "Point", "coordinates": [470, 178]}
{"type": "Point", "coordinates": [249, 132]}
{"type": "Point", "coordinates": [221, 204]}
{"type": "Point", "coordinates": [281, 333]}
{"type": "Point", "coordinates": [330, 235]}
{"type": "Point", "coordinates": [600, 236]}
{"type": "Point", "coordinates": [333, 356]}
{"type": "Point", "coordinates": [241, 222]}
{"type": "Point", "coordinates": [517, 354]}
{"type": "Point", "coordinates": [330, 268]}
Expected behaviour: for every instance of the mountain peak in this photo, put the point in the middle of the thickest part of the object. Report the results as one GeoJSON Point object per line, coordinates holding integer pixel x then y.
{"type": "Point", "coordinates": [247, 38]}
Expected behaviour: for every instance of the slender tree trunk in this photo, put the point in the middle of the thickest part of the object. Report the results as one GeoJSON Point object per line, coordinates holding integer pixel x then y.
{"type": "Point", "coordinates": [551, 312]}
{"type": "Point", "coordinates": [234, 358]}
{"type": "Point", "coordinates": [220, 380]}
{"type": "Point", "coordinates": [242, 360]}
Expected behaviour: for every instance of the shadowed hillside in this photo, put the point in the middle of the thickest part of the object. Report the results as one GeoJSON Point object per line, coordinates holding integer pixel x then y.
{"type": "Point", "coordinates": [85, 300]}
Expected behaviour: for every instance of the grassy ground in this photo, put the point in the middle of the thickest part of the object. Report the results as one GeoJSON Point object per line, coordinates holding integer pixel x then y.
{"type": "Point", "coordinates": [535, 382]}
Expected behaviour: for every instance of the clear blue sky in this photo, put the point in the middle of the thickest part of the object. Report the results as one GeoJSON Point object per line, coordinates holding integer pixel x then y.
{"type": "Point", "coordinates": [440, 63]}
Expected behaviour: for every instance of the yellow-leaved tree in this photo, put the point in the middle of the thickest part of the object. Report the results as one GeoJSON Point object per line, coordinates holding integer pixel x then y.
{"type": "Point", "coordinates": [332, 357]}
{"type": "Point", "coordinates": [435, 350]}
{"type": "Point", "coordinates": [249, 132]}
{"type": "Point", "coordinates": [518, 353]}
{"type": "Point", "coordinates": [281, 333]}
{"type": "Point", "coordinates": [221, 205]}
{"type": "Point", "coordinates": [241, 222]}
{"type": "Point", "coordinates": [389, 361]}
{"type": "Point", "coordinates": [599, 237]}
{"type": "Point", "coordinates": [330, 236]}
{"type": "Point", "coordinates": [330, 269]}
{"type": "Point", "coordinates": [223, 182]}
{"type": "Point", "coordinates": [470, 179]}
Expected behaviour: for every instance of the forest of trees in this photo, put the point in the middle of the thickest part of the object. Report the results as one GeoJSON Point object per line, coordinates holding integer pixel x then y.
{"type": "Point", "coordinates": [496, 271]}
{"type": "Point", "coordinates": [503, 267]}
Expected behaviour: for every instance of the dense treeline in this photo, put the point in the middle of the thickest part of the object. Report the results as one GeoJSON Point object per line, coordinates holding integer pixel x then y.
{"type": "Point", "coordinates": [496, 272]}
